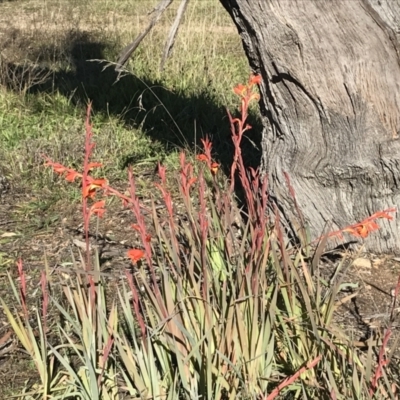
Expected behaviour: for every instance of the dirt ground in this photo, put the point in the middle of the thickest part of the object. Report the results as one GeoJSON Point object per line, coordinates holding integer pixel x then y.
{"type": "Point", "coordinates": [367, 296]}
{"type": "Point", "coordinates": [58, 243]}
{"type": "Point", "coordinates": [368, 280]}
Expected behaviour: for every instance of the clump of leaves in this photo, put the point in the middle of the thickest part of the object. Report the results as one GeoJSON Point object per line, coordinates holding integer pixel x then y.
{"type": "Point", "coordinates": [218, 305]}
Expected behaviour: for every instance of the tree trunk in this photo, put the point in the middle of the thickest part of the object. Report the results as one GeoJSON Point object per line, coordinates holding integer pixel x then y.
{"type": "Point", "coordinates": [330, 103]}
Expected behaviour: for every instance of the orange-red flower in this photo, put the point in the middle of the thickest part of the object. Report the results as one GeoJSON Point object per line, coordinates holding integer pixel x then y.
{"type": "Point", "coordinates": [71, 175]}
{"type": "Point", "coordinates": [92, 185]}
{"type": "Point", "coordinates": [384, 214]}
{"type": "Point", "coordinates": [59, 168]}
{"type": "Point", "coordinates": [135, 255]}
{"type": "Point", "coordinates": [94, 165]}
{"type": "Point", "coordinates": [98, 208]}
{"type": "Point", "coordinates": [362, 230]}
{"type": "Point", "coordinates": [240, 90]}
{"type": "Point", "coordinates": [202, 157]}
{"type": "Point", "coordinates": [214, 168]}
{"type": "Point", "coordinates": [246, 91]}
{"type": "Point", "coordinates": [255, 79]}
{"type": "Point", "coordinates": [365, 227]}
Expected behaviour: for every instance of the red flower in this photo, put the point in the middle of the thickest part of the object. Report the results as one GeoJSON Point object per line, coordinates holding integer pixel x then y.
{"type": "Point", "coordinates": [71, 175]}
{"type": "Point", "coordinates": [98, 208]}
{"type": "Point", "coordinates": [240, 90]}
{"type": "Point", "coordinates": [59, 168]}
{"type": "Point", "coordinates": [255, 79]}
{"type": "Point", "coordinates": [365, 227]}
{"type": "Point", "coordinates": [202, 157]}
{"type": "Point", "coordinates": [94, 165]}
{"type": "Point", "coordinates": [135, 255]}
{"type": "Point", "coordinates": [246, 91]}
{"type": "Point", "coordinates": [214, 168]}
{"type": "Point", "coordinates": [92, 185]}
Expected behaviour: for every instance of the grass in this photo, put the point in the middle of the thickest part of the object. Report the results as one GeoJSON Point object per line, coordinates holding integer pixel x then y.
{"type": "Point", "coordinates": [143, 118]}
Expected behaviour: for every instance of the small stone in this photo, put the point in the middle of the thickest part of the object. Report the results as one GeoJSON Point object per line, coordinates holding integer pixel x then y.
{"type": "Point", "coordinates": [362, 263]}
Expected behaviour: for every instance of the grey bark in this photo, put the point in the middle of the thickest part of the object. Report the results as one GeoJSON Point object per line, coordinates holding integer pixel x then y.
{"type": "Point", "coordinates": [330, 103]}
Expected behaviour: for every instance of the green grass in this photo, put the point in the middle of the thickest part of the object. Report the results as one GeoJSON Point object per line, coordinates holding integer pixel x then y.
{"type": "Point", "coordinates": [145, 117]}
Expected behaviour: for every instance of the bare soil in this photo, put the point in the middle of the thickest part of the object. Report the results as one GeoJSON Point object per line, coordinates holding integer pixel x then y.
{"type": "Point", "coordinates": [58, 244]}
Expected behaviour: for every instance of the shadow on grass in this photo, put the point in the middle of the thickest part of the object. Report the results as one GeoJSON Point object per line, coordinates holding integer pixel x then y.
{"type": "Point", "coordinates": [172, 117]}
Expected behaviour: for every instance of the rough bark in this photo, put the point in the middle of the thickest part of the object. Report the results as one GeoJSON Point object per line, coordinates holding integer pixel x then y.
{"type": "Point", "coordinates": [330, 105]}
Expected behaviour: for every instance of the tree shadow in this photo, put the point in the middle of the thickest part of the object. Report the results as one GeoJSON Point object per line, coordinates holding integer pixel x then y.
{"type": "Point", "coordinates": [171, 117]}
